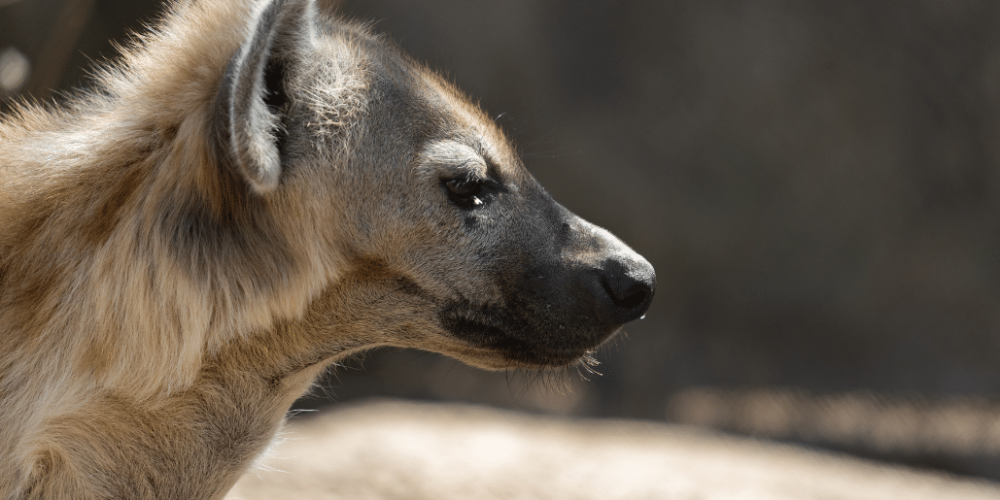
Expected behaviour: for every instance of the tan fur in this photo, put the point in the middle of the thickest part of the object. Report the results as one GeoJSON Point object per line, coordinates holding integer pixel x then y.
{"type": "Point", "coordinates": [169, 286]}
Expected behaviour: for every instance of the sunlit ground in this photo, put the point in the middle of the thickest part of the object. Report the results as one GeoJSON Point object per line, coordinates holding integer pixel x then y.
{"type": "Point", "coordinates": [402, 450]}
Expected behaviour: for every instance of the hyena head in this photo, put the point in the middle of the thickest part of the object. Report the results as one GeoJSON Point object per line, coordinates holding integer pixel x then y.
{"type": "Point", "coordinates": [442, 239]}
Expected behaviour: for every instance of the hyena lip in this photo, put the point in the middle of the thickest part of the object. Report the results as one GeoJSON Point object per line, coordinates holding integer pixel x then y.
{"type": "Point", "coordinates": [494, 333]}
{"type": "Point", "coordinates": [484, 329]}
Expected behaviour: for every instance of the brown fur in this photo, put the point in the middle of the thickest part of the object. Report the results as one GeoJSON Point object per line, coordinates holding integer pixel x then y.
{"type": "Point", "coordinates": [184, 249]}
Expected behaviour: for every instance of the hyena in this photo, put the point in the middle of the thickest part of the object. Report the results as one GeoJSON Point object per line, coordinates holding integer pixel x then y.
{"type": "Point", "coordinates": [255, 190]}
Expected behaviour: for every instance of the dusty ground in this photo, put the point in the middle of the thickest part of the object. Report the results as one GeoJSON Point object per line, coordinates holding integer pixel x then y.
{"type": "Point", "coordinates": [410, 451]}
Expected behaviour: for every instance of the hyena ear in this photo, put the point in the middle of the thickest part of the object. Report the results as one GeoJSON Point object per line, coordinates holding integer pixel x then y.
{"type": "Point", "coordinates": [252, 101]}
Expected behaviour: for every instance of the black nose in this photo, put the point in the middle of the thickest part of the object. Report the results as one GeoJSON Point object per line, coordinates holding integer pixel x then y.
{"type": "Point", "coordinates": [626, 289]}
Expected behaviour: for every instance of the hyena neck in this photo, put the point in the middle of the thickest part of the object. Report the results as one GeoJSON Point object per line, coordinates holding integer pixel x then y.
{"type": "Point", "coordinates": [193, 444]}
{"type": "Point", "coordinates": [121, 338]}
{"type": "Point", "coordinates": [223, 420]}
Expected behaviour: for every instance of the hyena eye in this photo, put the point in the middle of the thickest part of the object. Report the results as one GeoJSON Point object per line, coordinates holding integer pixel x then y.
{"type": "Point", "coordinates": [465, 193]}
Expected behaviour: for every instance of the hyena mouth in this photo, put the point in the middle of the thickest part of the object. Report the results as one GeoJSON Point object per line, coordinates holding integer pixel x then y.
{"type": "Point", "coordinates": [496, 330]}
{"type": "Point", "coordinates": [483, 327]}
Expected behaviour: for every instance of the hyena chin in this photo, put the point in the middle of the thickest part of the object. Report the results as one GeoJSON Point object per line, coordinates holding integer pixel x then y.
{"type": "Point", "coordinates": [254, 191]}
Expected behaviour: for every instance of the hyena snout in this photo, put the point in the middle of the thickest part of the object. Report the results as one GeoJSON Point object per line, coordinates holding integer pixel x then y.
{"type": "Point", "coordinates": [618, 284]}
{"type": "Point", "coordinates": [582, 298]}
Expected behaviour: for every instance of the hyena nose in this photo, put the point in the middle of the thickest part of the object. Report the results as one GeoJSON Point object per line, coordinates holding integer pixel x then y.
{"type": "Point", "coordinates": [625, 290]}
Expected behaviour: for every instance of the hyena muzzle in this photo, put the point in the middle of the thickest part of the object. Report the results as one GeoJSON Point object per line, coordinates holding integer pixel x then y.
{"type": "Point", "coordinates": [253, 192]}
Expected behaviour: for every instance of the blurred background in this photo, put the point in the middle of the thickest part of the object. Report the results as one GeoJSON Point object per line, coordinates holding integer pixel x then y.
{"type": "Point", "coordinates": [817, 184]}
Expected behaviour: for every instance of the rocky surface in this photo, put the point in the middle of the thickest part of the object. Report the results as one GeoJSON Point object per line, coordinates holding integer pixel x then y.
{"type": "Point", "coordinates": [403, 450]}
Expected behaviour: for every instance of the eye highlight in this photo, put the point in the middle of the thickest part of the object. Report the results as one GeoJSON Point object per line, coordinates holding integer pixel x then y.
{"type": "Point", "coordinates": [464, 192]}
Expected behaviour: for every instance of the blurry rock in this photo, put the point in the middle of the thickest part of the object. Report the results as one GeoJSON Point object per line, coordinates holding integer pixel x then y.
{"type": "Point", "coordinates": [399, 450]}
{"type": "Point", "coordinates": [957, 426]}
